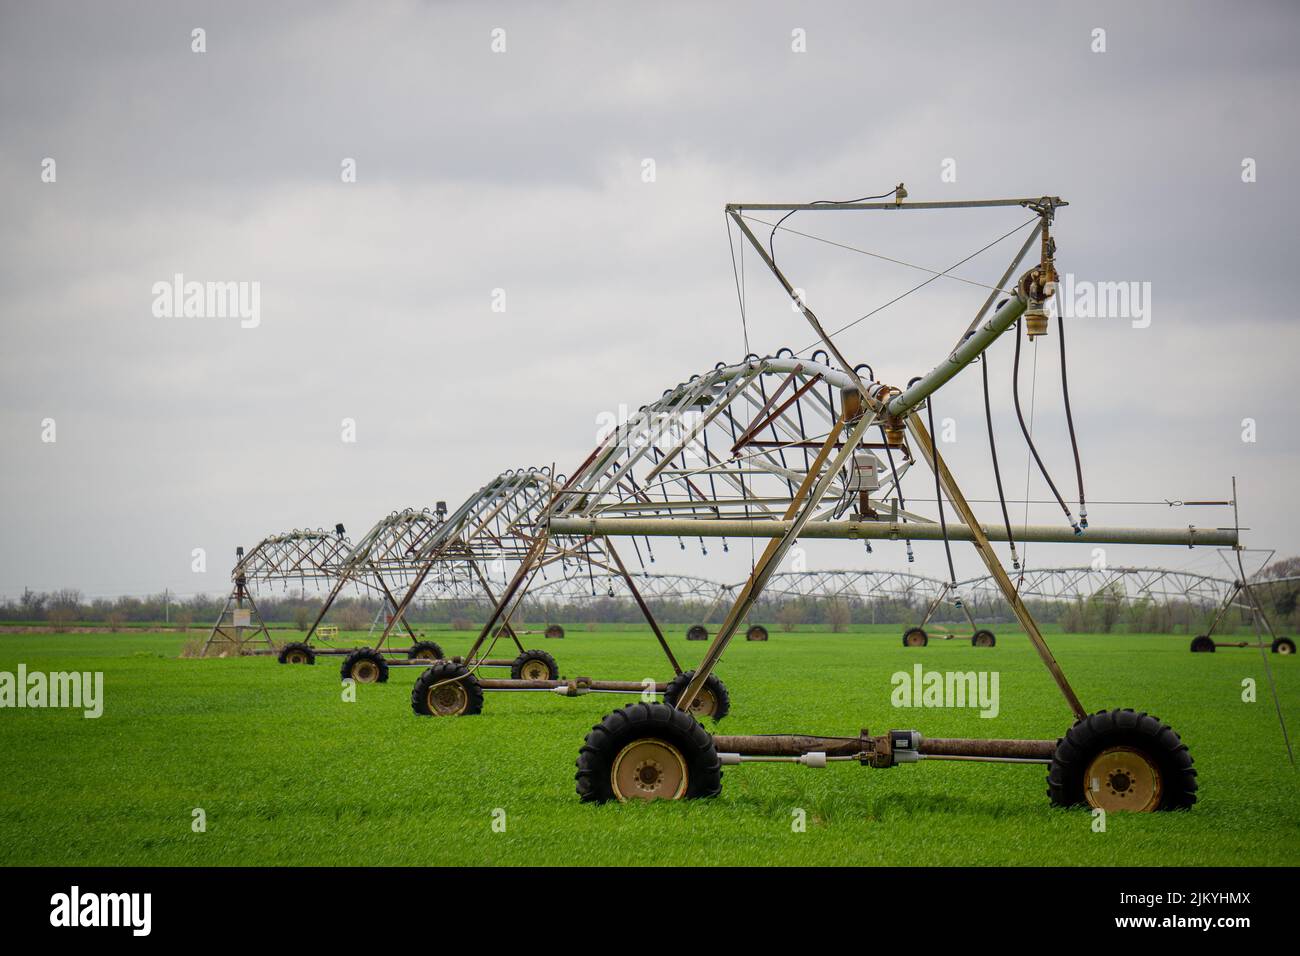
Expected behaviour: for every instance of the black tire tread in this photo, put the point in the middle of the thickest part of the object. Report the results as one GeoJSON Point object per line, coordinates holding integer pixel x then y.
{"type": "Point", "coordinates": [413, 651]}
{"type": "Point", "coordinates": [438, 672]}
{"type": "Point", "coordinates": [640, 719]}
{"type": "Point", "coordinates": [517, 665]}
{"type": "Point", "coordinates": [297, 646]}
{"type": "Point", "coordinates": [714, 683]}
{"type": "Point", "coordinates": [364, 654]}
{"type": "Point", "coordinates": [916, 630]}
{"type": "Point", "coordinates": [1125, 727]}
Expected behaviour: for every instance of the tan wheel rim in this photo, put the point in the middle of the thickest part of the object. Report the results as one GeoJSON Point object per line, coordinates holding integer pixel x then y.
{"type": "Point", "coordinates": [648, 769]}
{"type": "Point", "coordinates": [1121, 778]}
{"type": "Point", "coordinates": [1284, 648]}
{"type": "Point", "coordinates": [425, 655]}
{"type": "Point", "coordinates": [296, 657]}
{"type": "Point", "coordinates": [365, 672]}
{"type": "Point", "coordinates": [447, 700]}
{"type": "Point", "coordinates": [914, 640]}
{"type": "Point", "coordinates": [535, 670]}
{"type": "Point", "coordinates": [705, 703]}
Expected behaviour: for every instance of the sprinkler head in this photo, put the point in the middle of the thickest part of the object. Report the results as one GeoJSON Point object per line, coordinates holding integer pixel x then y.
{"type": "Point", "coordinates": [1035, 320]}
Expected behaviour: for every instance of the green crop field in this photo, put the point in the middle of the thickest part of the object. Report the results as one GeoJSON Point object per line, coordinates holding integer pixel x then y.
{"type": "Point", "coordinates": [288, 772]}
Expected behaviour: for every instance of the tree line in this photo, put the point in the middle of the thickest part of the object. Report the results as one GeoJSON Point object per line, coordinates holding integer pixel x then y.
{"type": "Point", "coordinates": [1107, 611]}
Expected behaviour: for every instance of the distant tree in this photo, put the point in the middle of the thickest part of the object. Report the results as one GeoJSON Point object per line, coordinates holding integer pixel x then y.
{"type": "Point", "coordinates": [353, 617]}
{"type": "Point", "coordinates": [64, 608]}
{"type": "Point", "coordinates": [838, 616]}
{"type": "Point", "coordinates": [790, 616]}
{"type": "Point", "coordinates": [32, 604]}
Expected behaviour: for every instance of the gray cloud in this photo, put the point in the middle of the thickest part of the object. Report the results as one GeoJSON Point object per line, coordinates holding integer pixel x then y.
{"type": "Point", "coordinates": [521, 171]}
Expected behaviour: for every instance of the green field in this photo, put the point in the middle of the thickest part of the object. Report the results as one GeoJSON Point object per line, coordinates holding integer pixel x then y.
{"type": "Point", "coordinates": [287, 772]}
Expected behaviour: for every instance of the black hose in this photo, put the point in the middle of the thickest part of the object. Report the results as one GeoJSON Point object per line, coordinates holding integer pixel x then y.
{"type": "Point", "coordinates": [997, 472]}
{"type": "Point", "coordinates": [938, 493]}
{"type": "Point", "coordinates": [1069, 419]}
{"type": "Point", "coordinates": [898, 488]}
{"type": "Point", "coordinates": [1024, 429]}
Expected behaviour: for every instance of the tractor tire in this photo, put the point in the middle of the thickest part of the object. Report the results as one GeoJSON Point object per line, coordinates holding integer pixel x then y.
{"type": "Point", "coordinates": [554, 631]}
{"type": "Point", "coordinates": [1284, 645]}
{"type": "Point", "coordinates": [713, 700]}
{"type": "Point", "coordinates": [365, 666]}
{"type": "Point", "coordinates": [1202, 645]}
{"type": "Point", "coordinates": [425, 651]}
{"type": "Point", "coordinates": [447, 689]}
{"type": "Point", "coordinates": [915, 637]}
{"type": "Point", "coordinates": [756, 633]}
{"type": "Point", "coordinates": [534, 665]}
{"type": "Point", "coordinates": [983, 638]}
{"type": "Point", "coordinates": [297, 653]}
{"type": "Point", "coordinates": [697, 632]}
{"type": "Point", "coordinates": [1122, 760]}
{"type": "Point", "coordinates": [648, 752]}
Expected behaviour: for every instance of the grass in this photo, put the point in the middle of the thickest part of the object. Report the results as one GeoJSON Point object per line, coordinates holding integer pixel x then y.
{"type": "Point", "coordinates": [289, 773]}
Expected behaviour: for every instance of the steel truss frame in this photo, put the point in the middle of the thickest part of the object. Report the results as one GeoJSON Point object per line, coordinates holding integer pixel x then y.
{"type": "Point", "coordinates": [654, 586]}
{"type": "Point", "coordinates": [382, 560]}
{"type": "Point", "coordinates": [312, 555]}
{"type": "Point", "coordinates": [500, 524]}
{"type": "Point", "coordinates": [606, 496]}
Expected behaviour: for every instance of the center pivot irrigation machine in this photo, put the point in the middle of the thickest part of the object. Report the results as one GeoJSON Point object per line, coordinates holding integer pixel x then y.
{"type": "Point", "coordinates": [497, 527]}
{"type": "Point", "coordinates": [307, 558]}
{"type": "Point", "coordinates": [786, 447]}
{"type": "Point", "coordinates": [381, 560]}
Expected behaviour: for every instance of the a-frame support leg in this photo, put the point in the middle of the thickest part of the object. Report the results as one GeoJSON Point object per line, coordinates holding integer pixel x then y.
{"type": "Point", "coordinates": [990, 559]}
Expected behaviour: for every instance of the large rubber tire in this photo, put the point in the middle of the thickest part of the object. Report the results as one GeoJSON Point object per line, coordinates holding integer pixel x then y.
{"type": "Point", "coordinates": [447, 689]}
{"type": "Point", "coordinates": [915, 637]}
{"type": "Point", "coordinates": [1114, 756]}
{"type": "Point", "coordinates": [983, 638]}
{"type": "Point", "coordinates": [297, 653]}
{"type": "Point", "coordinates": [667, 745]}
{"type": "Point", "coordinates": [697, 632]}
{"type": "Point", "coordinates": [713, 700]}
{"type": "Point", "coordinates": [1284, 645]}
{"type": "Point", "coordinates": [554, 631]}
{"type": "Point", "coordinates": [365, 666]}
{"type": "Point", "coordinates": [425, 651]}
{"type": "Point", "coordinates": [529, 664]}
{"type": "Point", "coordinates": [756, 633]}
{"type": "Point", "coordinates": [1202, 645]}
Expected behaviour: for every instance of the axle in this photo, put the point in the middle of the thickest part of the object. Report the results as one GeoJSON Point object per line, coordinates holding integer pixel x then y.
{"type": "Point", "coordinates": [884, 750]}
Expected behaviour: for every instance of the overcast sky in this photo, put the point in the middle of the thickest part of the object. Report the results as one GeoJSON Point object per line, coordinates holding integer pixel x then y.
{"type": "Point", "coordinates": [524, 171]}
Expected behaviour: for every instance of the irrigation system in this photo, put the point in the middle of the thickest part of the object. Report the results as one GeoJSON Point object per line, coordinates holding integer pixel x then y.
{"type": "Point", "coordinates": [775, 449]}
{"type": "Point", "coordinates": [788, 447]}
